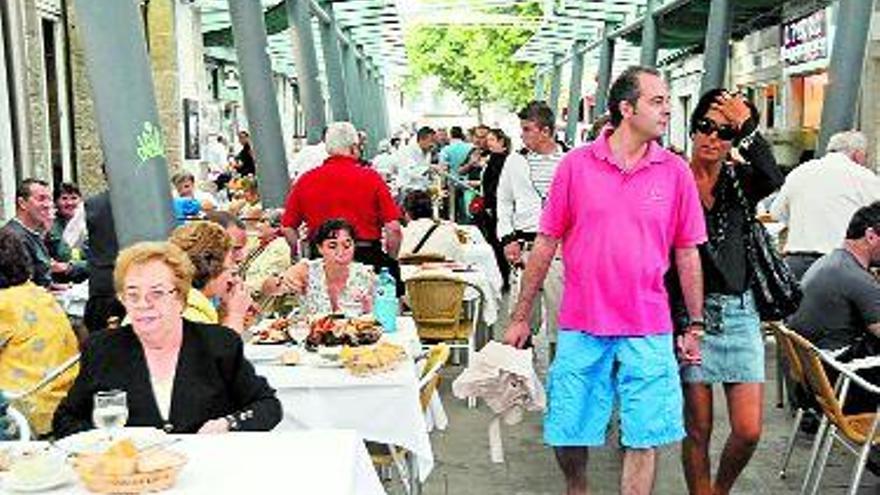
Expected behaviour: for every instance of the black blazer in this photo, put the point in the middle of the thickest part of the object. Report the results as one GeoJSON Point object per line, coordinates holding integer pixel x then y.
{"type": "Point", "coordinates": [213, 379]}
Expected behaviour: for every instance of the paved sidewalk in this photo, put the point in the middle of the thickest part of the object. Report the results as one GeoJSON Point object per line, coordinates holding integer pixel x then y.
{"type": "Point", "coordinates": [463, 466]}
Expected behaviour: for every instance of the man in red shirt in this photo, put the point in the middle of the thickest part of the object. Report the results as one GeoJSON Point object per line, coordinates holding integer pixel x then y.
{"type": "Point", "coordinates": [342, 188]}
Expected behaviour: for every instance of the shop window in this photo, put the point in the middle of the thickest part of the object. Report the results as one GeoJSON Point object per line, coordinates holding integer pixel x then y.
{"type": "Point", "coordinates": [814, 96]}
{"type": "Point", "coordinates": [770, 110]}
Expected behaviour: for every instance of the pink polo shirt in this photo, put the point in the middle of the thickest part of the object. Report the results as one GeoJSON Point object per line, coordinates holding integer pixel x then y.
{"type": "Point", "coordinates": [618, 230]}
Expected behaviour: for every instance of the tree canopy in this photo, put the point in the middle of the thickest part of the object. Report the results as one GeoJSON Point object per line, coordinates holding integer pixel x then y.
{"type": "Point", "coordinates": [475, 62]}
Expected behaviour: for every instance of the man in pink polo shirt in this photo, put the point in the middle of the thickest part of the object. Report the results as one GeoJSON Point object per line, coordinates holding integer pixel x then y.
{"type": "Point", "coordinates": [621, 207]}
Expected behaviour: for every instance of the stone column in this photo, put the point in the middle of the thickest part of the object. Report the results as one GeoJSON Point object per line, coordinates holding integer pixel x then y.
{"type": "Point", "coordinates": [717, 45]}
{"type": "Point", "coordinates": [853, 20]}
{"type": "Point", "coordinates": [131, 137]}
{"type": "Point", "coordinates": [574, 91]}
{"type": "Point", "coordinates": [260, 103]}
{"type": "Point", "coordinates": [648, 57]}
{"type": "Point", "coordinates": [353, 92]}
{"type": "Point", "coordinates": [306, 68]}
{"type": "Point", "coordinates": [606, 64]}
{"type": "Point", "coordinates": [333, 66]}
{"type": "Point", "coordinates": [555, 82]}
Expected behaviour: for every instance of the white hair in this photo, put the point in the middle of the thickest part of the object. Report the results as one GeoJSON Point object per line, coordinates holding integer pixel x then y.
{"type": "Point", "coordinates": [340, 137]}
{"type": "Point", "coordinates": [847, 142]}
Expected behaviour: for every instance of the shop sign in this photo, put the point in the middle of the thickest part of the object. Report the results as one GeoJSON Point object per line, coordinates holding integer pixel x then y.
{"type": "Point", "coordinates": [805, 39]}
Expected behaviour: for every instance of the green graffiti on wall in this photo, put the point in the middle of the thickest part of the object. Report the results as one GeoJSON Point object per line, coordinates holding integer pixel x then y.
{"type": "Point", "coordinates": [150, 143]}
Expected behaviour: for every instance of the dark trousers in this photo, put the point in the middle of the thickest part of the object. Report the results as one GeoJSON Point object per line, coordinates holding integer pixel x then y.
{"type": "Point", "coordinates": [99, 309]}
{"type": "Point", "coordinates": [488, 225]}
{"type": "Point", "coordinates": [801, 262]}
{"type": "Point", "coordinates": [372, 254]}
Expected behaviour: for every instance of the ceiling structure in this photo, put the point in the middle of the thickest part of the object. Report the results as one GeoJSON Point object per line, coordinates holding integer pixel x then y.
{"type": "Point", "coordinates": [373, 25]}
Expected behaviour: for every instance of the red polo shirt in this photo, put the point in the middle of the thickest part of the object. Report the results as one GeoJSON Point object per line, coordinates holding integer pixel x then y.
{"type": "Point", "coordinates": [341, 188]}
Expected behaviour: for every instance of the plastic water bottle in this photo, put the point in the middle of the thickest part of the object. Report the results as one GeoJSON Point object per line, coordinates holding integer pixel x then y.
{"type": "Point", "coordinates": [385, 304]}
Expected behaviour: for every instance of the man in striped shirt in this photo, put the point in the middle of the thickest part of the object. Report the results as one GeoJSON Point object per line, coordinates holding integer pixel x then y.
{"type": "Point", "coordinates": [522, 190]}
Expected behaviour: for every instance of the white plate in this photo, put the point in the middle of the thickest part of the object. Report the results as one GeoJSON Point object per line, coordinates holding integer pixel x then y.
{"type": "Point", "coordinates": [63, 476]}
{"type": "Point", "coordinates": [97, 441]}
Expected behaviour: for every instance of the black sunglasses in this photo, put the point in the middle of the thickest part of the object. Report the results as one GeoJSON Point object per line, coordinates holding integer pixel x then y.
{"type": "Point", "coordinates": [708, 126]}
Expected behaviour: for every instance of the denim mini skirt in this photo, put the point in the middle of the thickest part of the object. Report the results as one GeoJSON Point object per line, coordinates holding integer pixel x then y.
{"type": "Point", "coordinates": [732, 348]}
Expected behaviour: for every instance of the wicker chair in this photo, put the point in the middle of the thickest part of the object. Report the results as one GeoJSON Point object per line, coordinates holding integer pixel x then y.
{"type": "Point", "coordinates": [856, 432]}
{"type": "Point", "coordinates": [420, 258]}
{"type": "Point", "coordinates": [795, 373]}
{"type": "Point", "coordinates": [437, 308]}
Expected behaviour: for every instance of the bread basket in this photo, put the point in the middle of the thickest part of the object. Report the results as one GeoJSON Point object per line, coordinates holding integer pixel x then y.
{"type": "Point", "coordinates": [139, 482]}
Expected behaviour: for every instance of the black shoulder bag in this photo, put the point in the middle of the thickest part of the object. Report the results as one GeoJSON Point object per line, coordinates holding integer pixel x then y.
{"type": "Point", "coordinates": [776, 290]}
{"type": "Point", "coordinates": [425, 238]}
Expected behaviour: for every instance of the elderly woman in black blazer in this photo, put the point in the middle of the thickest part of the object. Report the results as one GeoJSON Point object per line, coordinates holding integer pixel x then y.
{"type": "Point", "coordinates": [181, 376]}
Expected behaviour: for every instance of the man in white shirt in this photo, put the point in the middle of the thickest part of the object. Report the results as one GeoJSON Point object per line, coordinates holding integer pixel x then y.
{"type": "Point", "coordinates": [522, 190]}
{"type": "Point", "coordinates": [413, 162]}
{"type": "Point", "coordinates": [820, 196]}
{"type": "Point", "coordinates": [309, 157]}
{"type": "Point", "coordinates": [429, 235]}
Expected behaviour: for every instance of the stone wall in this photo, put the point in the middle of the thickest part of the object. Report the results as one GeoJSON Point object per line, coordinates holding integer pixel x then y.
{"type": "Point", "coordinates": [163, 54]}
{"type": "Point", "coordinates": [34, 87]}
{"type": "Point", "coordinates": [88, 152]}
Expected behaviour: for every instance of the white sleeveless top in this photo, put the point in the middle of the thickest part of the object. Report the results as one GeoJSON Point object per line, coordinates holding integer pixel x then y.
{"type": "Point", "coordinates": [358, 286]}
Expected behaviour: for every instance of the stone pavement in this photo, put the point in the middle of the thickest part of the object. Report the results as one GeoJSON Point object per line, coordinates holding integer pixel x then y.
{"type": "Point", "coordinates": [463, 466]}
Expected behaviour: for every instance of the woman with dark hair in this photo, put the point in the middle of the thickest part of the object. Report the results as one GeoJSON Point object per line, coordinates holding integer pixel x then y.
{"type": "Point", "coordinates": [498, 145]}
{"type": "Point", "coordinates": [36, 335]}
{"type": "Point", "coordinates": [334, 282]}
{"type": "Point", "coordinates": [423, 233]}
{"type": "Point", "coordinates": [734, 169]}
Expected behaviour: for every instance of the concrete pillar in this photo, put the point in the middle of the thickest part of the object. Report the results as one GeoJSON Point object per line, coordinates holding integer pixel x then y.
{"type": "Point", "coordinates": [539, 84]}
{"type": "Point", "coordinates": [383, 104]}
{"type": "Point", "coordinates": [555, 82]}
{"type": "Point", "coordinates": [125, 104]}
{"type": "Point", "coordinates": [333, 66]}
{"type": "Point", "coordinates": [352, 90]}
{"type": "Point", "coordinates": [648, 56]}
{"type": "Point", "coordinates": [574, 91]}
{"type": "Point", "coordinates": [606, 64]}
{"type": "Point", "coordinates": [260, 104]}
{"type": "Point", "coordinates": [845, 69]}
{"type": "Point", "coordinates": [367, 103]}
{"type": "Point", "coordinates": [306, 68]}
{"type": "Point", "coordinates": [717, 45]}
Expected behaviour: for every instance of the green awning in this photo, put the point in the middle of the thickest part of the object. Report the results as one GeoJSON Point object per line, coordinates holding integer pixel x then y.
{"type": "Point", "coordinates": [686, 25]}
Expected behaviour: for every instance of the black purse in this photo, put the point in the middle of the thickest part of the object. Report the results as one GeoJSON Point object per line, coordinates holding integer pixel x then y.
{"type": "Point", "coordinates": [776, 290]}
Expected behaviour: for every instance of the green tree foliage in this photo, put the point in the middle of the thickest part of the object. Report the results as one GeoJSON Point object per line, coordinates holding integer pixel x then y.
{"type": "Point", "coordinates": [475, 62]}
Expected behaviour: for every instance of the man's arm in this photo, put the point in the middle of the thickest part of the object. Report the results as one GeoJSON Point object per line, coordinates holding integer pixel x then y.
{"type": "Point", "coordinates": [533, 278]}
{"type": "Point", "coordinates": [690, 275]}
{"type": "Point", "coordinates": [393, 236]}
{"type": "Point", "coordinates": [780, 205]}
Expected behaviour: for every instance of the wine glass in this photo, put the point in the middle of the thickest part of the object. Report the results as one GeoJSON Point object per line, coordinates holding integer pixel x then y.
{"type": "Point", "coordinates": [111, 411]}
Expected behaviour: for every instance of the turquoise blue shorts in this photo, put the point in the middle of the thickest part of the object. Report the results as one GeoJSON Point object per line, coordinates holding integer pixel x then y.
{"type": "Point", "coordinates": [591, 374]}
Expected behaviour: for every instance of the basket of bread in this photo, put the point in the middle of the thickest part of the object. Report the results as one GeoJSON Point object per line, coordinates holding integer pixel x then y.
{"type": "Point", "coordinates": [371, 360]}
{"type": "Point", "coordinates": [122, 468]}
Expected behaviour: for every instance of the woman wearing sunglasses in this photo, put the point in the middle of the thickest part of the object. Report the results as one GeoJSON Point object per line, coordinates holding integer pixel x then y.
{"type": "Point", "coordinates": [733, 166]}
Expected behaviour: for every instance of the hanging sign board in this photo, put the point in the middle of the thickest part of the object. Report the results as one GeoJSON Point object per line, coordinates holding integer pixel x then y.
{"type": "Point", "coordinates": [805, 39]}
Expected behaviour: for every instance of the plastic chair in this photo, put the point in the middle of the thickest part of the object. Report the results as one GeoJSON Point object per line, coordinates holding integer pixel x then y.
{"type": "Point", "coordinates": [11, 397]}
{"type": "Point", "coordinates": [856, 432]}
{"type": "Point", "coordinates": [795, 373]}
{"type": "Point", "coordinates": [385, 456]}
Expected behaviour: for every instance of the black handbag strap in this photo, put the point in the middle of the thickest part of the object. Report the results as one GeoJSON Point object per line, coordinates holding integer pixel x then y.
{"type": "Point", "coordinates": [425, 238]}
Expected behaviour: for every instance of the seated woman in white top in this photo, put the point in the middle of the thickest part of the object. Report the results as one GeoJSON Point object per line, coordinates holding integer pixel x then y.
{"type": "Point", "coordinates": [423, 234]}
{"type": "Point", "coordinates": [334, 283]}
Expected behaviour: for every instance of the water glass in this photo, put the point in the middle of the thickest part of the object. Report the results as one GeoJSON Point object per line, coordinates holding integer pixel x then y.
{"type": "Point", "coordinates": [110, 412]}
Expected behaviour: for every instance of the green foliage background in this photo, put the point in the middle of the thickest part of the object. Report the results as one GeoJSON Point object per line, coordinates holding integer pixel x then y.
{"type": "Point", "coordinates": [475, 62]}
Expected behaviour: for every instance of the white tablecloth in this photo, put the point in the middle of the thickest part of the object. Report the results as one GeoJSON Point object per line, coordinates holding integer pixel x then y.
{"type": "Point", "coordinates": [479, 253]}
{"type": "Point", "coordinates": [381, 408]}
{"type": "Point", "coordinates": [74, 299]}
{"type": "Point", "coordinates": [332, 462]}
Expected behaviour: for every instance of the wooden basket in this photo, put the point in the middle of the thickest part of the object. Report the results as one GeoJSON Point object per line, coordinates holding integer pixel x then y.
{"type": "Point", "coordinates": [153, 481]}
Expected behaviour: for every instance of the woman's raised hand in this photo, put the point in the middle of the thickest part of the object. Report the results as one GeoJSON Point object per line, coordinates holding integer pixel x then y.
{"type": "Point", "coordinates": [733, 107]}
